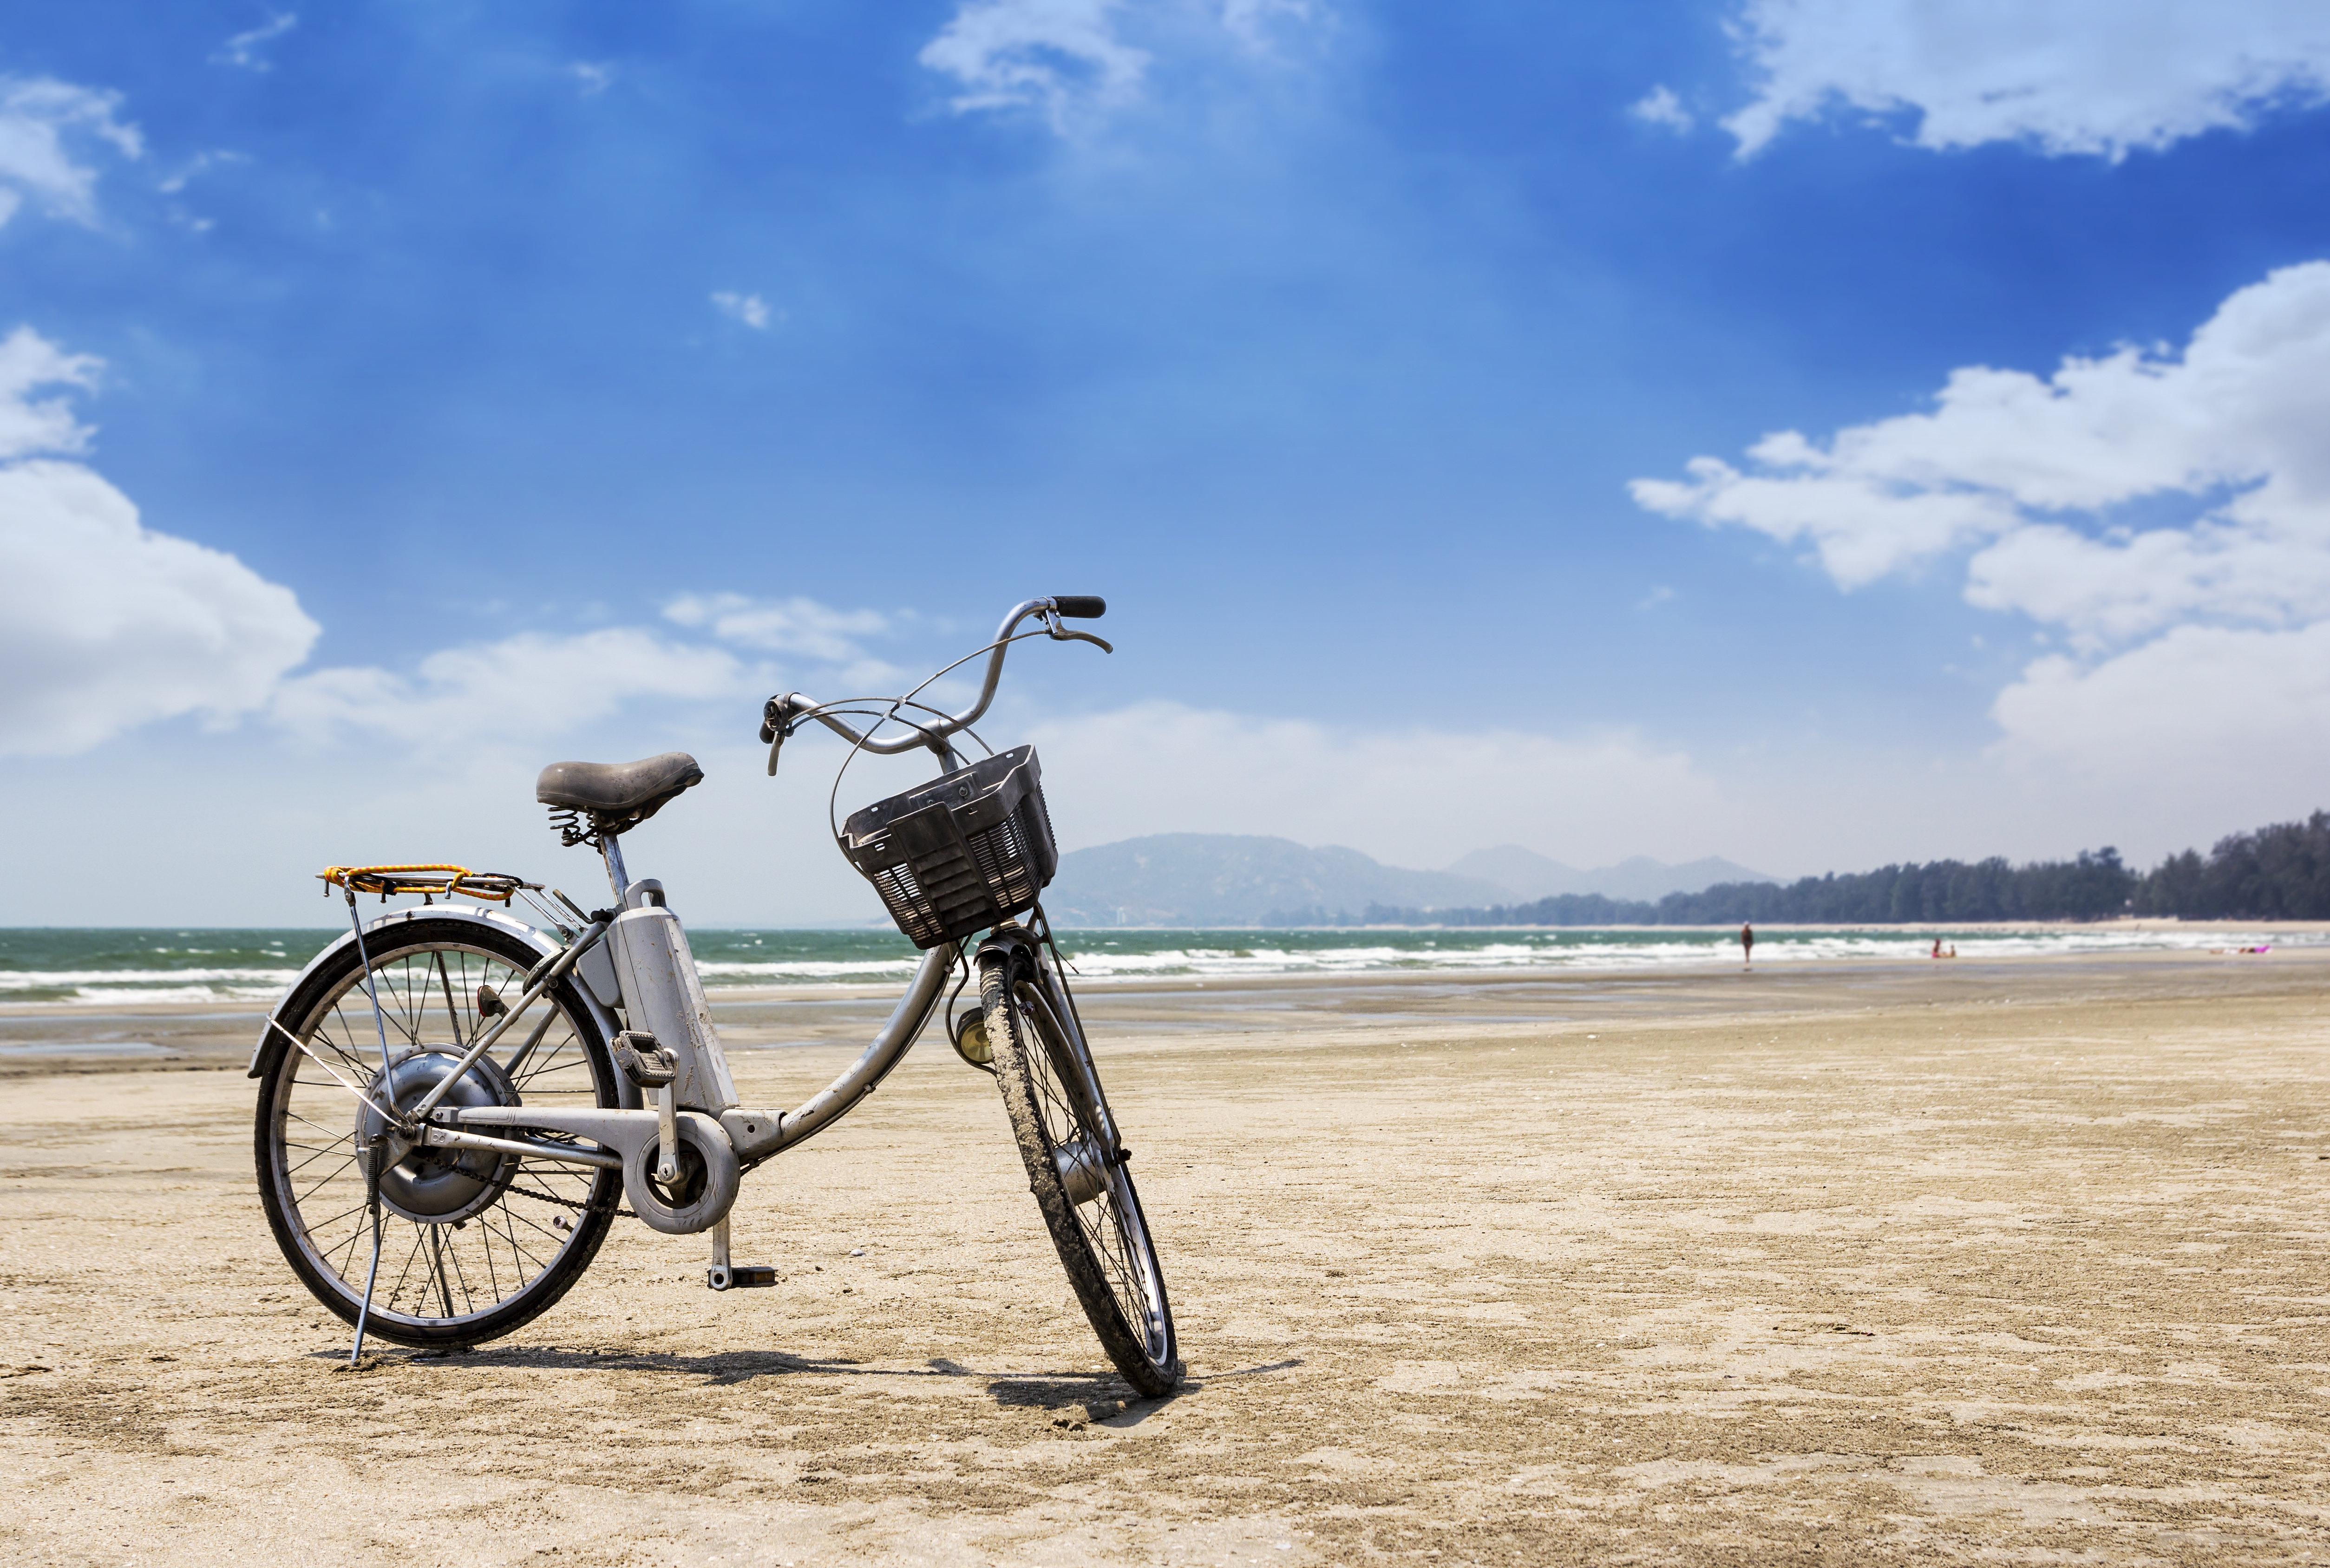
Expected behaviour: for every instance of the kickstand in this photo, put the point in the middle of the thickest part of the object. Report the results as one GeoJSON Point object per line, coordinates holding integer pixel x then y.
{"type": "Point", "coordinates": [369, 1157]}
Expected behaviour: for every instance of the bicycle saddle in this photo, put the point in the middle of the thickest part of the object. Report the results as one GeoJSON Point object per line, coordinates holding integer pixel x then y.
{"type": "Point", "coordinates": [616, 795]}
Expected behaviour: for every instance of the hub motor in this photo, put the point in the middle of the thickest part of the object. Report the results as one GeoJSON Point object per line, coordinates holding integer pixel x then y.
{"type": "Point", "coordinates": [439, 1186]}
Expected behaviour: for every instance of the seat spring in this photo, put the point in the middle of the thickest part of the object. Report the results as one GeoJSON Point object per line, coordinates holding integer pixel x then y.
{"type": "Point", "coordinates": [572, 830]}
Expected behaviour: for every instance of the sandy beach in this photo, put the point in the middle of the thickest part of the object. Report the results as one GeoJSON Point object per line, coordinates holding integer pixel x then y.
{"type": "Point", "coordinates": [2023, 1262]}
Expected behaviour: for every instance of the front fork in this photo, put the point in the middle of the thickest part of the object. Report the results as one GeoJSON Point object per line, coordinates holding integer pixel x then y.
{"type": "Point", "coordinates": [1023, 950]}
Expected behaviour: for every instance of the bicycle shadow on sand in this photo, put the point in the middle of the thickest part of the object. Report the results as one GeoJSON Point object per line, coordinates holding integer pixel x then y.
{"type": "Point", "coordinates": [715, 1369]}
{"type": "Point", "coordinates": [1081, 1399]}
{"type": "Point", "coordinates": [1072, 1398]}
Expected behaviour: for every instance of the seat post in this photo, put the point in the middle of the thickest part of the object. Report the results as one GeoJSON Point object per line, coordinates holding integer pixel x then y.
{"type": "Point", "coordinates": [611, 851]}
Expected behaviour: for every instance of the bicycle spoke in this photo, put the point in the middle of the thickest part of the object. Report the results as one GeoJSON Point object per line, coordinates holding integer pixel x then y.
{"type": "Point", "coordinates": [354, 1237]}
{"type": "Point", "coordinates": [416, 1006]}
{"type": "Point", "coordinates": [540, 1064]}
{"type": "Point", "coordinates": [346, 1160]}
{"type": "Point", "coordinates": [453, 1013]}
{"type": "Point", "coordinates": [397, 1290]}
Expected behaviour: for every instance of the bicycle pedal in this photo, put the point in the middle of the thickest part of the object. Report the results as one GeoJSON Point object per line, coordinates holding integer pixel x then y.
{"type": "Point", "coordinates": [643, 1062]}
{"type": "Point", "coordinates": [741, 1277]}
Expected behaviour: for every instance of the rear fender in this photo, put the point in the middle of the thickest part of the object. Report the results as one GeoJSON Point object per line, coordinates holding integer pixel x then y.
{"type": "Point", "coordinates": [492, 920]}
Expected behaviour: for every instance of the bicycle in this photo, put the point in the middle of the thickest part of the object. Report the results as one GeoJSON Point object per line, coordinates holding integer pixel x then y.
{"type": "Point", "coordinates": [484, 1178]}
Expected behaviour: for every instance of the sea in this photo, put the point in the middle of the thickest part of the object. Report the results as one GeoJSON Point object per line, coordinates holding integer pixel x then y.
{"type": "Point", "coordinates": [113, 966]}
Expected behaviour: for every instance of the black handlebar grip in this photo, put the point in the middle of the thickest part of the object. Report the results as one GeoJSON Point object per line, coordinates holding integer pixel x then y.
{"type": "Point", "coordinates": [1080, 606]}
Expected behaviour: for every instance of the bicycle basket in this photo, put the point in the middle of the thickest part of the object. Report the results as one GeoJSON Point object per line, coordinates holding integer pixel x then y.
{"type": "Point", "coordinates": [961, 853]}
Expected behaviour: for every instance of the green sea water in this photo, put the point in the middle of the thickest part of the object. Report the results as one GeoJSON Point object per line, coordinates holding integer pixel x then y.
{"type": "Point", "coordinates": [120, 965]}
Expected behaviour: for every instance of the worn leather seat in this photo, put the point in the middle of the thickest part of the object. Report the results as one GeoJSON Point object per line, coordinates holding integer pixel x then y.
{"type": "Point", "coordinates": [616, 796]}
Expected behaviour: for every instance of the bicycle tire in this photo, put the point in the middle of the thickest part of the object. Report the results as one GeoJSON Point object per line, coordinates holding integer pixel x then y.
{"type": "Point", "coordinates": [330, 1011]}
{"type": "Point", "coordinates": [1051, 1092]}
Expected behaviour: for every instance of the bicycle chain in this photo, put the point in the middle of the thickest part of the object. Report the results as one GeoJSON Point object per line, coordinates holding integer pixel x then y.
{"type": "Point", "coordinates": [618, 1211]}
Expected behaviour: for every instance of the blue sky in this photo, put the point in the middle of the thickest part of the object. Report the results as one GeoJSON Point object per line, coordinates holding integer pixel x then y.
{"type": "Point", "coordinates": [405, 395]}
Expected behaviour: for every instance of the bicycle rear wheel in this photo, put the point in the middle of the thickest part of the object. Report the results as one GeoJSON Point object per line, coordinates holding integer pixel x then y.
{"type": "Point", "coordinates": [1077, 1167]}
{"type": "Point", "coordinates": [473, 1246]}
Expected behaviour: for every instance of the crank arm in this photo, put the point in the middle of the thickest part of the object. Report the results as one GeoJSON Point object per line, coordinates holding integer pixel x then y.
{"type": "Point", "coordinates": [725, 1275]}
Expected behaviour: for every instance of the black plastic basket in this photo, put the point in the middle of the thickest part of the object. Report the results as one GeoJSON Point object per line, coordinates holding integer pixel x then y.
{"type": "Point", "coordinates": [961, 853]}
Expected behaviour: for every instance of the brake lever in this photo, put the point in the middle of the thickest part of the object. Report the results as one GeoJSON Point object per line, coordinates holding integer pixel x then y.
{"type": "Point", "coordinates": [1059, 633]}
{"type": "Point", "coordinates": [776, 723]}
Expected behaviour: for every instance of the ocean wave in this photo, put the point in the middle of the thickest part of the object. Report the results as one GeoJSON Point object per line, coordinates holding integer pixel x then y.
{"type": "Point", "coordinates": [867, 960]}
{"type": "Point", "coordinates": [777, 970]}
{"type": "Point", "coordinates": [1595, 951]}
{"type": "Point", "coordinates": [119, 994]}
{"type": "Point", "coordinates": [15, 979]}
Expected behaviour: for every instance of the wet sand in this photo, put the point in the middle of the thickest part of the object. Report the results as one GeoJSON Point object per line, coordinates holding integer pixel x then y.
{"type": "Point", "coordinates": [2022, 1262]}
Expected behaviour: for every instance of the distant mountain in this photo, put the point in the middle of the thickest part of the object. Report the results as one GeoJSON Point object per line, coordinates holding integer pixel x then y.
{"type": "Point", "coordinates": [1220, 879]}
{"type": "Point", "coordinates": [1525, 874]}
{"type": "Point", "coordinates": [1521, 874]}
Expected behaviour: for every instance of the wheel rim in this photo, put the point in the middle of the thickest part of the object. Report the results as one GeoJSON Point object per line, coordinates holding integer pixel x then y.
{"type": "Point", "coordinates": [485, 1252]}
{"type": "Point", "coordinates": [1077, 1121]}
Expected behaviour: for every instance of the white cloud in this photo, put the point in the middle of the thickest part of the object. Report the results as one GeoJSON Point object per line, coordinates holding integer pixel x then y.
{"type": "Point", "coordinates": [1075, 61]}
{"type": "Point", "coordinates": [523, 688]}
{"type": "Point", "coordinates": [30, 424]}
{"type": "Point", "coordinates": [748, 308]}
{"type": "Point", "coordinates": [2006, 455]}
{"type": "Point", "coordinates": [1661, 107]}
{"type": "Point", "coordinates": [2094, 77]}
{"type": "Point", "coordinates": [591, 78]}
{"type": "Point", "coordinates": [1263, 24]}
{"type": "Point", "coordinates": [1061, 57]}
{"type": "Point", "coordinates": [794, 626]}
{"type": "Point", "coordinates": [1860, 527]}
{"type": "Point", "coordinates": [41, 121]}
{"type": "Point", "coordinates": [2234, 717]}
{"type": "Point", "coordinates": [244, 49]}
{"type": "Point", "coordinates": [1414, 796]}
{"type": "Point", "coordinates": [199, 165]}
{"type": "Point", "coordinates": [815, 634]}
{"type": "Point", "coordinates": [537, 684]}
{"type": "Point", "coordinates": [104, 624]}
{"type": "Point", "coordinates": [2111, 590]}
{"type": "Point", "coordinates": [2199, 650]}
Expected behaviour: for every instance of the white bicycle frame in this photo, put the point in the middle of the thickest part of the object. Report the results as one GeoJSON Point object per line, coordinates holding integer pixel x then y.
{"type": "Point", "coordinates": [638, 958]}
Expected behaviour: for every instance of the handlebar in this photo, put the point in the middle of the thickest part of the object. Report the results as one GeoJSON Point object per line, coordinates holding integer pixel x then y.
{"type": "Point", "coordinates": [783, 715]}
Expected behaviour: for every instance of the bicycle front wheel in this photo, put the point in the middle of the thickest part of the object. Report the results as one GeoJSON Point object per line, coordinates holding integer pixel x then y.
{"type": "Point", "coordinates": [473, 1245]}
{"type": "Point", "coordinates": [1076, 1168]}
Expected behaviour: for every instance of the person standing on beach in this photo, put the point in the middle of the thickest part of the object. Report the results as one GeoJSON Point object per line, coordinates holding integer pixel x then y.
{"type": "Point", "coordinates": [1746, 944]}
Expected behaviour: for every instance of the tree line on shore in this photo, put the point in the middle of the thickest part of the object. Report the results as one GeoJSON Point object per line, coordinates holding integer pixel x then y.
{"type": "Point", "coordinates": [2277, 873]}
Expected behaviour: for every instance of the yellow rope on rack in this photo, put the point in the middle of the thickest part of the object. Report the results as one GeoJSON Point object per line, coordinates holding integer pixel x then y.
{"type": "Point", "coordinates": [386, 880]}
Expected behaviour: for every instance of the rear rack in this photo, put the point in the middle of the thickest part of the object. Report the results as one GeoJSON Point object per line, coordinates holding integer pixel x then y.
{"type": "Point", "coordinates": [431, 880]}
